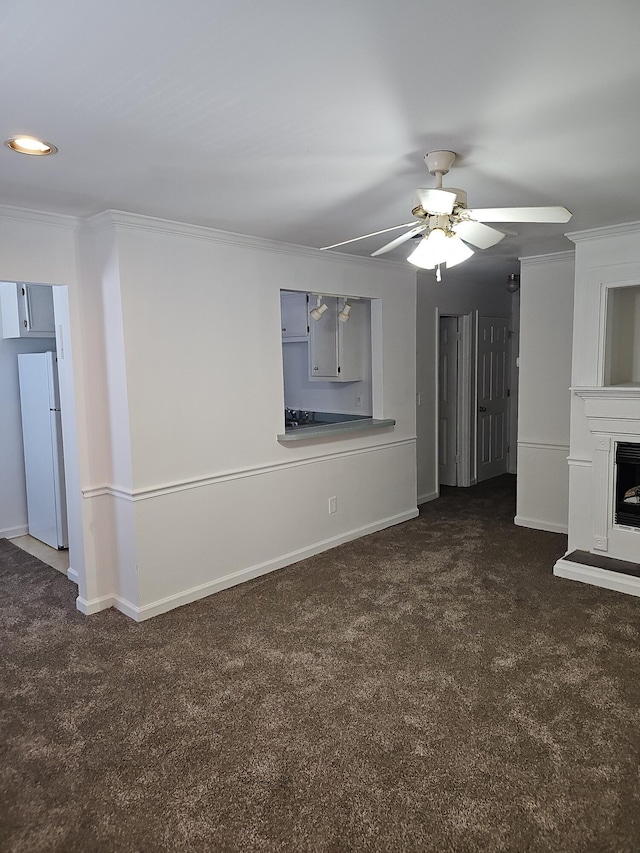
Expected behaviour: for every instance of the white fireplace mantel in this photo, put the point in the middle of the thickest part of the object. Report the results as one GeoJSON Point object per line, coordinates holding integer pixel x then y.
{"type": "Point", "coordinates": [612, 409]}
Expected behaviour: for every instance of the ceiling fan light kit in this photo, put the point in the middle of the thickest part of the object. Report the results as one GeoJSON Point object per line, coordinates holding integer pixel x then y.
{"type": "Point", "coordinates": [439, 247]}
{"type": "Point", "coordinates": [447, 225]}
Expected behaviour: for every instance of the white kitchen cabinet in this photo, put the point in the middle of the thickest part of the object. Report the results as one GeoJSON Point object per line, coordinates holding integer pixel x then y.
{"type": "Point", "coordinates": [294, 315]}
{"type": "Point", "coordinates": [336, 350]}
{"type": "Point", "coordinates": [27, 310]}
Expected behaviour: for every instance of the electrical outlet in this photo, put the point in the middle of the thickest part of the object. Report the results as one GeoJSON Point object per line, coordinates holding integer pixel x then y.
{"type": "Point", "coordinates": [333, 505]}
{"type": "Point", "coordinates": [359, 402]}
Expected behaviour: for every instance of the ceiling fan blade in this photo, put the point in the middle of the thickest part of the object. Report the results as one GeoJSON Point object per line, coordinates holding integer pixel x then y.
{"type": "Point", "coordinates": [478, 234]}
{"type": "Point", "coordinates": [399, 240]}
{"type": "Point", "coordinates": [520, 214]}
{"type": "Point", "coordinates": [436, 201]}
{"type": "Point", "coordinates": [364, 236]}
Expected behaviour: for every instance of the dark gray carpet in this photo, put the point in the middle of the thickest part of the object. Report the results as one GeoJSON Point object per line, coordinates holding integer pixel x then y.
{"type": "Point", "coordinates": [428, 688]}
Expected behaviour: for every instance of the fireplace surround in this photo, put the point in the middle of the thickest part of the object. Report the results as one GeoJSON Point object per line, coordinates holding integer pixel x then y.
{"type": "Point", "coordinates": [604, 455]}
{"type": "Point", "coordinates": [613, 419]}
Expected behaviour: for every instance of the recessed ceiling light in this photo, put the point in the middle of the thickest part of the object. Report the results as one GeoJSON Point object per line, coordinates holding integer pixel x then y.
{"type": "Point", "coordinates": [30, 145]}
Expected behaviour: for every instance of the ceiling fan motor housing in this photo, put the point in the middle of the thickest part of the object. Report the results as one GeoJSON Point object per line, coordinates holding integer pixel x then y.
{"type": "Point", "coordinates": [461, 196]}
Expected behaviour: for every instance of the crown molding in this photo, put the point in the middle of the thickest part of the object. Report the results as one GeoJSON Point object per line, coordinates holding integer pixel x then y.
{"type": "Point", "coordinates": [123, 219]}
{"type": "Point", "coordinates": [41, 217]}
{"type": "Point", "coordinates": [568, 255]}
{"type": "Point", "coordinates": [604, 232]}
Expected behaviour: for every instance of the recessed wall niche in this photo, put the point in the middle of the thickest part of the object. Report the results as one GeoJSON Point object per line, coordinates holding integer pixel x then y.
{"type": "Point", "coordinates": [622, 344]}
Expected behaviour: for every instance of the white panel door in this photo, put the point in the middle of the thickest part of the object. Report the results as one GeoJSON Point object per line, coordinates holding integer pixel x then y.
{"type": "Point", "coordinates": [448, 402]}
{"type": "Point", "coordinates": [493, 400]}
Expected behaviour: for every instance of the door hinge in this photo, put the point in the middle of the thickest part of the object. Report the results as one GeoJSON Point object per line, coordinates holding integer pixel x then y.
{"type": "Point", "coordinates": [508, 393]}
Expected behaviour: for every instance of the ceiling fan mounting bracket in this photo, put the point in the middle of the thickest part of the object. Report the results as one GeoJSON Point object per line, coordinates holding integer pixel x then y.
{"type": "Point", "coordinates": [439, 162]}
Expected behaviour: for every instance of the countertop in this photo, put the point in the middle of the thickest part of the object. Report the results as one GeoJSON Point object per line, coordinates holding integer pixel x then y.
{"type": "Point", "coordinates": [327, 430]}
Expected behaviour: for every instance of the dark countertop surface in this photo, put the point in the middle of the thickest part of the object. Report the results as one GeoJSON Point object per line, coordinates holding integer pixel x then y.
{"type": "Point", "coordinates": [325, 428]}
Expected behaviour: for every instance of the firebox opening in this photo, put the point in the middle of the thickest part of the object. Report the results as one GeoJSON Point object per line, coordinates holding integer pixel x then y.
{"type": "Point", "coordinates": [627, 509]}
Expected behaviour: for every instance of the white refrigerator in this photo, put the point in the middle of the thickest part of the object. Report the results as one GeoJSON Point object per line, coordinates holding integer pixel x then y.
{"type": "Point", "coordinates": [42, 440]}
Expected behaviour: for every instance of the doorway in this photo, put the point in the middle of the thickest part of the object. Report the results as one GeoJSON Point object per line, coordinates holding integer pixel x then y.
{"type": "Point", "coordinates": [493, 397]}
{"type": "Point", "coordinates": [473, 398]}
{"type": "Point", "coordinates": [456, 399]}
{"type": "Point", "coordinates": [71, 561]}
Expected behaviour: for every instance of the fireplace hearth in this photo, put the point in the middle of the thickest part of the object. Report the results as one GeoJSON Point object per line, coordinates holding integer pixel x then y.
{"type": "Point", "coordinates": [627, 489]}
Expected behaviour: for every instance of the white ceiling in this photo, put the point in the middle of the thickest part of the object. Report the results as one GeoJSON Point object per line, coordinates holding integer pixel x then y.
{"type": "Point", "coordinates": [307, 122]}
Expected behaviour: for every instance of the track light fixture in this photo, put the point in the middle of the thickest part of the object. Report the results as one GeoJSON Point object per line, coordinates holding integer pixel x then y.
{"type": "Point", "coordinates": [319, 310]}
{"type": "Point", "coordinates": [344, 315]}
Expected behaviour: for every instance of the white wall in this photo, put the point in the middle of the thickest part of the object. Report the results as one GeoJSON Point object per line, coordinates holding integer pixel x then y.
{"type": "Point", "coordinates": [546, 324]}
{"type": "Point", "coordinates": [174, 495]}
{"type": "Point", "coordinates": [212, 497]}
{"type": "Point", "coordinates": [13, 496]}
{"type": "Point", "coordinates": [455, 295]}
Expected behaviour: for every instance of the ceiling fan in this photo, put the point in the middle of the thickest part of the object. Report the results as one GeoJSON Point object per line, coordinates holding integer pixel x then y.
{"type": "Point", "coordinates": [445, 225]}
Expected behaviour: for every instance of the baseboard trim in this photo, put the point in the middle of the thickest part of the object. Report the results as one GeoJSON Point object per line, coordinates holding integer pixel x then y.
{"type": "Point", "coordinates": [188, 596]}
{"type": "Point", "coordinates": [428, 496]}
{"type": "Point", "coordinates": [597, 577]}
{"type": "Point", "coordinates": [14, 532]}
{"type": "Point", "coordinates": [94, 605]}
{"type": "Point", "coordinates": [72, 575]}
{"type": "Point", "coordinates": [127, 608]}
{"type": "Point", "coordinates": [538, 524]}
